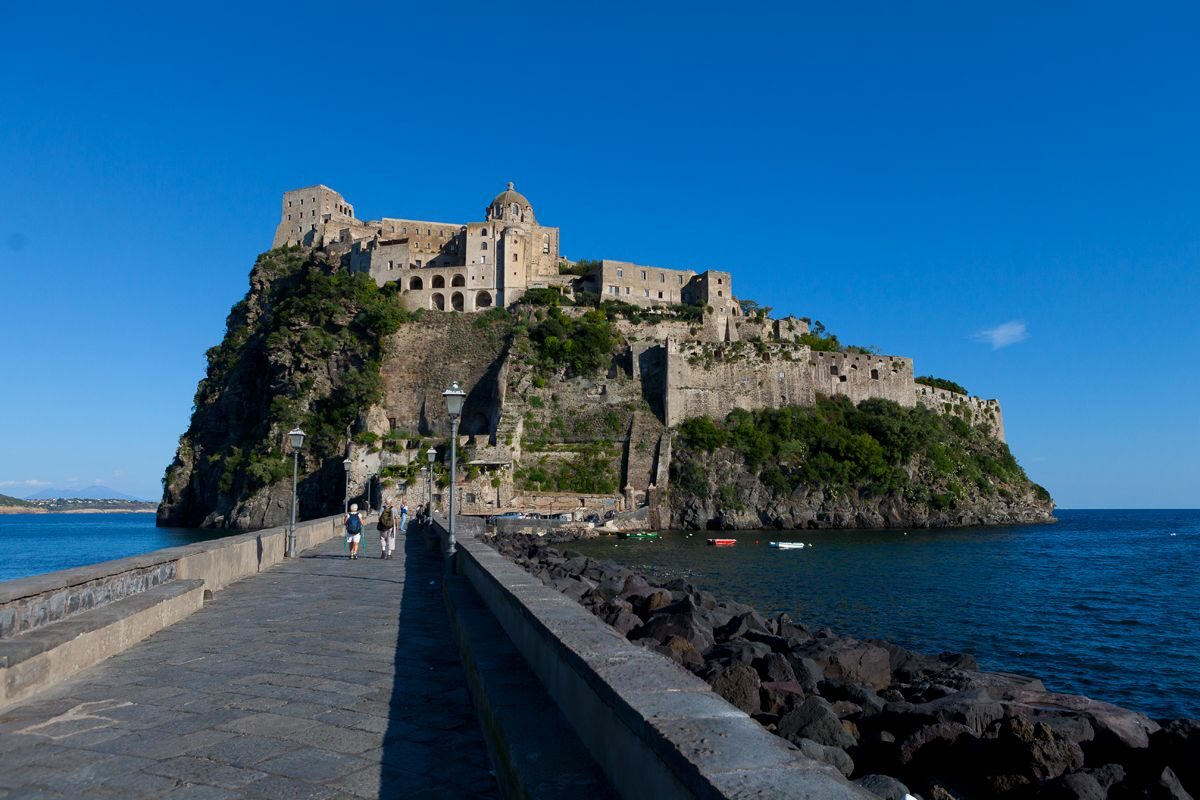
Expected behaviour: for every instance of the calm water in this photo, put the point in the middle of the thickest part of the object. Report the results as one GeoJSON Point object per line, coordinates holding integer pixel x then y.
{"type": "Point", "coordinates": [31, 544]}
{"type": "Point", "coordinates": [1105, 603]}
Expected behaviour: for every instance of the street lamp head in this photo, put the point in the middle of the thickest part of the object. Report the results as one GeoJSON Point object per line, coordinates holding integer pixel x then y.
{"type": "Point", "coordinates": [296, 438]}
{"type": "Point", "coordinates": [455, 397]}
{"type": "Point", "coordinates": [431, 456]}
{"type": "Point", "coordinates": [347, 464]}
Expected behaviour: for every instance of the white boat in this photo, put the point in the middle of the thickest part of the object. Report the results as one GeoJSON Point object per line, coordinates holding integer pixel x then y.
{"type": "Point", "coordinates": [788, 545]}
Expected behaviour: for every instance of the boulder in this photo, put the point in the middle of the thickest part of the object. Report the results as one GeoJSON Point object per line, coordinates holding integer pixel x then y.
{"type": "Point", "coordinates": [833, 756]}
{"type": "Point", "coordinates": [931, 742]}
{"type": "Point", "coordinates": [973, 708]}
{"type": "Point", "coordinates": [1075, 786]}
{"type": "Point", "coordinates": [738, 651]}
{"type": "Point", "coordinates": [739, 685]}
{"type": "Point", "coordinates": [686, 623]}
{"type": "Point", "coordinates": [850, 661]}
{"type": "Point", "coordinates": [1032, 749]}
{"type": "Point", "coordinates": [814, 719]}
{"type": "Point", "coordinates": [778, 697]}
{"type": "Point", "coordinates": [884, 786]}
{"type": "Point", "coordinates": [774, 667]}
{"type": "Point", "coordinates": [808, 672]}
{"type": "Point", "coordinates": [1170, 787]}
{"type": "Point", "coordinates": [1177, 745]}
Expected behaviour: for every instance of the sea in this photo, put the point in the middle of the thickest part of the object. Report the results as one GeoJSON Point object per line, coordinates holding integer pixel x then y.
{"type": "Point", "coordinates": [1103, 603]}
{"type": "Point", "coordinates": [31, 544]}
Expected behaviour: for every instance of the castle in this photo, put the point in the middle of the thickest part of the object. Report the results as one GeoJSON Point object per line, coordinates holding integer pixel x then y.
{"type": "Point", "coordinates": [475, 266]}
{"type": "Point", "coordinates": [726, 360]}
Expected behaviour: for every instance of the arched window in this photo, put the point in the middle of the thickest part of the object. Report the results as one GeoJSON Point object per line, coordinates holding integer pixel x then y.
{"type": "Point", "coordinates": [458, 280]}
{"type": "Point", "coordinates": [456, 301]}
{"type": "Point", "coordinates": [483, 232]}
{"type": "Point", "coordinates": [545, 243]}
{"type": "Point", "coordinates": [415, 283]}
{"type": "Point", "coordinates": [439, 282]}
{"type": "Point", "coordinates": [483, 245]}
{"type": "Point", "coordinates": [516, 209]}
{"type": "Point", "coordinates": [438, 302]}
{"type": "Point", "coordinates": [483, 300]}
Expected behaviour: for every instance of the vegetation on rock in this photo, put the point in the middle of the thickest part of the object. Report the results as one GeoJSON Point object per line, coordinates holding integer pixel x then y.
{"type": "Point", "coordinates": [941, 383]}
{"type": "Point", "coordinates": [302, 349]}
{"type": "Point", "coordinates": [877, 448]}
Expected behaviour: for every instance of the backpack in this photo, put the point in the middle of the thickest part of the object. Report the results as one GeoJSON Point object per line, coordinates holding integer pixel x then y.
{"type": "Point", "coordinates": [385, 519]}
{"type": "Point", "coordinates": [354, 524]}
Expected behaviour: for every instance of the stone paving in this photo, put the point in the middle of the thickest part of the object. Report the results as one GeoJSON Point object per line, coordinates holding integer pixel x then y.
{"type": "Point", "coordinates": [321, 678]}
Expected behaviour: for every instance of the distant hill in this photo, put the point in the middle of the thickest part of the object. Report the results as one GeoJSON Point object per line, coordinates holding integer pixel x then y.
{"type": "Point", "coordinates": [5, 500]}
{"type": "Point", "coordinates": [94, 492]}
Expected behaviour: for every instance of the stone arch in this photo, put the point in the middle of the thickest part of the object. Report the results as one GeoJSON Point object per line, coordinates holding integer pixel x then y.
{"type": "Point", "coordinates": [438, 302]}
{"type": "Point", "coordinates": [439, 282]}
{"type": "Point", "coordinates": [456, 301]}
{"type": "Point", "coordinates": [483, 300]}
{"type": "Point", "coordinates": [458, 280]}
{"type": "Point", "coordinates": [415, 282]}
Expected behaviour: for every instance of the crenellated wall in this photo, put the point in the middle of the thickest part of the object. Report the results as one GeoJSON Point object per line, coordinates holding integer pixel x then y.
{"type": "Point", "coordinates": [975, 410]}
{"type": "Point", "coordinates": [712, 379]}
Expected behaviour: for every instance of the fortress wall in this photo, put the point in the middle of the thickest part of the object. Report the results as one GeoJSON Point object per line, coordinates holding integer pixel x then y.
{"type": "Point", "coordinates": [714, 380]}
{"type": "Point", "coordinates": [860, 376]}
{"type": "Point", "coordinates": [985, 412]}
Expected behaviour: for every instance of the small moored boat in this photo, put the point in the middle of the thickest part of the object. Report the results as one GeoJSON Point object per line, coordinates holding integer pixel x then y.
{"type": "Point", "coordinates": [638, 535]}
{"type": "Point", "coordinates": [722, 542]}
{"type": "Point", "coordinates": [788, 545]}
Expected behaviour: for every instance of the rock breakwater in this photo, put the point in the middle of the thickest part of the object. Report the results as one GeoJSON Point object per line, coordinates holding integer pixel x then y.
{"type": "Point", "coordinates": [893, 720]}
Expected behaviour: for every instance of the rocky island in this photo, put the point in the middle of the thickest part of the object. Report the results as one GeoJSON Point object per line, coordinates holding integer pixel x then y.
{"type": "Point", "coordinates": [593, 387]}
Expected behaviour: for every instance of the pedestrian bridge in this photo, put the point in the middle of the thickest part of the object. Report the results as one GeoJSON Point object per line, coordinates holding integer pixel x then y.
{"type": "Point", "coordinates": [222, 669]}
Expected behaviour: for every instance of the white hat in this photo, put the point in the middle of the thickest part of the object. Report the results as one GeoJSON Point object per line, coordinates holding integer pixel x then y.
{"type": "Point", "coordinates": [354, 506]}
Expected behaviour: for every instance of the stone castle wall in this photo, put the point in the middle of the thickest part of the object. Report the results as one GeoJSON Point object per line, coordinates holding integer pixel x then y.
{"type": "Point", "coordinates": [975, 410]}
{"type": "Point", "coordinates": [707, 379]}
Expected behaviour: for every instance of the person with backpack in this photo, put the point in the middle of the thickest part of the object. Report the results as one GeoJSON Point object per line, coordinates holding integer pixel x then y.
{"type": "Point", "coordinates": [354, 528]}
{"type": "Point", "coordinates": [387, 529]}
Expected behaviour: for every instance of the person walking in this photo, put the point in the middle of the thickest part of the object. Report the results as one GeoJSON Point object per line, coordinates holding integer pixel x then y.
{"type": "Point", "coordinates": [403, 516]}
{"type": "Point", "coordinates": [354, 529]}
{"type": "Point", "coordinates": [387, 529]}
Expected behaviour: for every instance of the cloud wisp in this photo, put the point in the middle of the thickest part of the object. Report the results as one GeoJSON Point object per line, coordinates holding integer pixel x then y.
{"type": "Point", "coordinates": [32, 483]}
{"type": "Point", "coordinates": [1004, 334]}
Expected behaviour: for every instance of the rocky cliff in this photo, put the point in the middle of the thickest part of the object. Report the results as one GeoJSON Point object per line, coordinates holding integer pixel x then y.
{"type": "Point", "coordinates": [874, 465]}
{"type": "Point", "coordinates": [303, 348]}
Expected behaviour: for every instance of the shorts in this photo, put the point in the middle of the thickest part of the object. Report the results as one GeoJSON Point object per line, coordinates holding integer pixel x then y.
{"type": "Point", "coordinates": [353, 538]}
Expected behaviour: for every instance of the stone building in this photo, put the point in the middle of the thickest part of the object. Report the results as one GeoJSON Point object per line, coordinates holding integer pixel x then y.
{"type": "Point", "coordinates": [439, 265]}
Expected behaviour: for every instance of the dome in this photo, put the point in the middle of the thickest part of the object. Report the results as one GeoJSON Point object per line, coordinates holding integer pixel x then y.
{"type": "Point", "coordinates": [510, 205]}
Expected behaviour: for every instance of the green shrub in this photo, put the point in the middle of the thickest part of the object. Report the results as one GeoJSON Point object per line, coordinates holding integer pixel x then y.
{"type": "Point", "coordinates": [941, 383]}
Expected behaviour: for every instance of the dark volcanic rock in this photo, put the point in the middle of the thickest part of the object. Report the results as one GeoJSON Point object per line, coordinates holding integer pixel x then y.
{"type": "Point", "coordinates": [833, 756]}
{"type": "Point", "coordinates": [850, 661]}
{"type": "Point", "coordinates": [883, 786]}
{"type": "Point", "coordinates": [739, 685]}
{"type": "Point", "coordinates": [814, 719]}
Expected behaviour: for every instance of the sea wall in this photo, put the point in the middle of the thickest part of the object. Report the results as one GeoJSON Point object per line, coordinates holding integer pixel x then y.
{"type": "Point", "coordinates": [656, 731]}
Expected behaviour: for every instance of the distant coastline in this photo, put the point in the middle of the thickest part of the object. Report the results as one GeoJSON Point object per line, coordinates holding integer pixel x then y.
{"type": "Point", "coordinates": [76, 505]}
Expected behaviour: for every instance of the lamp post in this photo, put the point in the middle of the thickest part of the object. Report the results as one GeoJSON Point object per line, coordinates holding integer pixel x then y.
{"type": "Point", "coordinates": [296, 440]}
{"type": "Point", "coordinates": [431, 456]}
{"type": "Point", "coordinates": [346, 494]}
{"type": "Point", "coordinates": [425, 482]}
{"type": "Point", "coordinates": [455, 397]}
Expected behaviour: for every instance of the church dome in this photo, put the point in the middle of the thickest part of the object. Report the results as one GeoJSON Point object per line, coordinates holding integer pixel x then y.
{"type": "Point", "coordinates": [511, 205]}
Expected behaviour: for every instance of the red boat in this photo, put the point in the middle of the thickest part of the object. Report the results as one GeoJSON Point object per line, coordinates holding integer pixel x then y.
{"type": "Point", "coordinates": [723, 542]}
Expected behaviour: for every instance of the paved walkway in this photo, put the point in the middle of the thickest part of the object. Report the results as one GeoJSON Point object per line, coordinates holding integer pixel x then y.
{"type": "Point", "coordinates": [321, 678]}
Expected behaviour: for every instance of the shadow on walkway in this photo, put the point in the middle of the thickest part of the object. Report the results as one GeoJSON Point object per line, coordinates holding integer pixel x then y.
{"type": "Point", "coordinates": [432, 747]}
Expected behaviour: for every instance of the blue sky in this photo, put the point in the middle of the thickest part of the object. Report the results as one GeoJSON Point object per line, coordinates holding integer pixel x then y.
{"type": "Point", "coordinates": [914, 175]}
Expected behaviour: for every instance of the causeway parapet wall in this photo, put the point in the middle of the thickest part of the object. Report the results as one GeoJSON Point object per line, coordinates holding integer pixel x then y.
{"type": "Point", "coordinates": [655, 730]}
